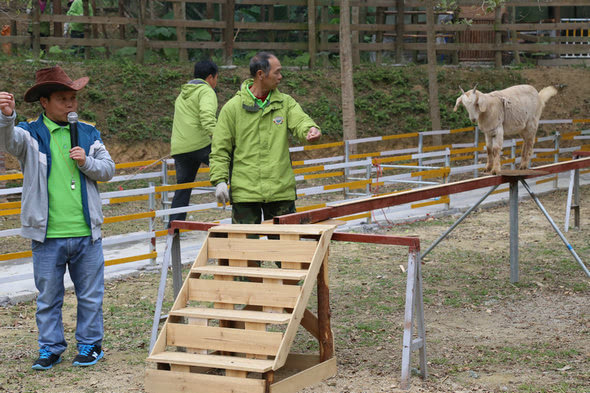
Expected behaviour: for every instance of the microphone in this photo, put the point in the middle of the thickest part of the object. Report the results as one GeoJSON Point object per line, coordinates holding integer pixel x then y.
{"type": "Point", "coordinates": [73, 120]}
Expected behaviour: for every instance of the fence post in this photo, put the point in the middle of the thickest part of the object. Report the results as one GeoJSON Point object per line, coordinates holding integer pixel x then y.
{"type": "Point", "coordinates": [513, 154]}
{"type": "Point", "coordinates": [165, 202]}
{"type": "Point", "coordinates": [228, 33]}
{"type": "Point", "coordinates": [36, 29]}
{"type": "Point", "coordinates": [448, 177]}
{"type": "Point", "coordinates": [476, 155]}
{"type": "Point", "coordinates": [498, 36]}
{"type": "Point", "coordinates": [141, 32]}
{"type": "Point", "coordinates": [420, 149]}
{"type": "Point", "coordinates": [346, 169]}
{"type": "Point", "coordinates": [399, 31]}
{"type": "Point", "coordinates": [311, 32]}
{"type": "Point", "coordinates": [151, 229]}
{"type": "Point", "coordinates": [180, 15]}
{"type": "Point", "coordinates": [556, 158]}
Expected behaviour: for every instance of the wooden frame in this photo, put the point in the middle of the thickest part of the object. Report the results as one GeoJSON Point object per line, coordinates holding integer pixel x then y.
{"type": "Point", "coordinates": [220, 324]}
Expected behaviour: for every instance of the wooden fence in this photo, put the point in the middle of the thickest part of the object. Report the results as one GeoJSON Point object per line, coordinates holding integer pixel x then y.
{"type": "Point", "coordinates": [223, 27]}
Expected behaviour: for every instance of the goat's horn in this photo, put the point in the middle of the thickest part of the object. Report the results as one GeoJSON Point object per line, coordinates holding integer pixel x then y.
{"type": "Point", "coordinates": [474, 87]}
{"type": "Point", "coordinates": [460, 88]}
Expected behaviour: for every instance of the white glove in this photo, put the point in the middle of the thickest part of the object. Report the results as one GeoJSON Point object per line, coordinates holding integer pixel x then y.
{"type": "Point", "coordinates": [66, 29]}
{"type": "Point", "coordinates": [221, 193]}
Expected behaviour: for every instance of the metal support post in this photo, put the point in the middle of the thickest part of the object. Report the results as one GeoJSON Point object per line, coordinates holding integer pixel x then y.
{"type": "Point", "coordinates": [562, 237]}
{"type": "Point", "coordinates": [162, 289]}
{"type": "Point", "coordinates": [347, 169]}
{"type": "Point", "coordinates": [165, 202]}
{"type": "Point", "coordinates": [568, 203]}
{"type": "Point", "coordinates": [576, 205]}
{"type": "Point", "coordinates": [513, 154]}
{"type": "Point", "coordinates": [448, 178]}
{"type": "Point", "coordinates": [420, 150]}
{"type": "Point", "coordinates": [414, 309]}
{"type": "Point", "coordinates": [152, 221]}
{"type": "Point", "coordinates": [476, 154]}
{"type": "Point", "coordinates": [514, 231]}
{"type": "Point", "coordinates": [556, 159]}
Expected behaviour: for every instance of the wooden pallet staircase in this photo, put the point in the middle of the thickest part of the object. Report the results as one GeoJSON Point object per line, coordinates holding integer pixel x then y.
{"type": "Point", "coordinates": [233, 323]}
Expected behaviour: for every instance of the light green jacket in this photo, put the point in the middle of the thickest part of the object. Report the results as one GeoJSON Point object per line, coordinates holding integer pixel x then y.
{"type": "Point", "coordinates": [194, 117]}
{"type": "Point", "coordinates": [77, 9]}
{"type": "Point", "coordinates": [257, 140]}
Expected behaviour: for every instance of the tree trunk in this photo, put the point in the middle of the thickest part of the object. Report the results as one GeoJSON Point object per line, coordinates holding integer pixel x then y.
{"type": "Point", "coordinates": [348, 112]}
{"type": "Point", "coordinates": [432, 82]}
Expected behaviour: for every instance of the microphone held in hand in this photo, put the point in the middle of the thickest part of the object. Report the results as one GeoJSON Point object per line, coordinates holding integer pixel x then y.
{"type": "Point", "coordinates": [73, 120]}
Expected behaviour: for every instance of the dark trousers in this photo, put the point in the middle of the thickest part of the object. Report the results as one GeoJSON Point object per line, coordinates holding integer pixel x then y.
{"type": "Point", "coordinates": [187, 165]}
{"type": "Point", "coordinates": [251, 212]}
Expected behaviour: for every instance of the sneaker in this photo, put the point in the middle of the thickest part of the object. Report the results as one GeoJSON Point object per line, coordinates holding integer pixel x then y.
{"type": "Point", "coordinates": [88, 355]}
{"type": "Point", "coordinates": [46, 359]}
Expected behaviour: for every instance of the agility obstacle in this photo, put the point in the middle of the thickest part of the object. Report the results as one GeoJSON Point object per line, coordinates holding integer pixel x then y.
{"type": "Point", "coordinates": [218, 328]}
{"type": "Point", "coordinates": [511, 177]}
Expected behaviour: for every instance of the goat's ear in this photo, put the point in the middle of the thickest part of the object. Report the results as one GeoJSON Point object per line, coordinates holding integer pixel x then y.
{"type": "Point", "coordinates": [482, 102]}
{"type": "Point", "coordinates": [459, 101]}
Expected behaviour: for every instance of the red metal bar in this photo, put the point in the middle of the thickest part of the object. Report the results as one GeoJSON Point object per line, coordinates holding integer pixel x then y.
{"type": "Point", "coordinates": [354, 207]}
{"type": "Point", "coordinates": [412, 242]}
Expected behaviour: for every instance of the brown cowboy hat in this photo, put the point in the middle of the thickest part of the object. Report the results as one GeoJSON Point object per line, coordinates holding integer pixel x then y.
{"type": "Point", "coordinates": [53, 79]}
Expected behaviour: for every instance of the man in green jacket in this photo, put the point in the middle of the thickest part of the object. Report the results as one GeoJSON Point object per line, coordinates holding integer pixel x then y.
{"type": "Point", "coordinates": [195, 113]}
{"type": "Point", "coordinates": [250, 147]}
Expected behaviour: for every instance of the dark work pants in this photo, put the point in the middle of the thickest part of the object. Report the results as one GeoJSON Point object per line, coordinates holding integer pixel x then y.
{"type": "Point", "coordinates": [251, 212]}
{"type": "Point", "coordinates": [187, 165]}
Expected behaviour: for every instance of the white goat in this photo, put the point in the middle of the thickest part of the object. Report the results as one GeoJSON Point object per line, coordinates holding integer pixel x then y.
{"type": "Point", "coordinates": [515, 110]}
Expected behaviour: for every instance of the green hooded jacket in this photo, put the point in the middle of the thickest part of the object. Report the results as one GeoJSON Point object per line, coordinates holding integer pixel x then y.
{"type": "Point", "coordinates": [256, 140]}
{"type": "Point", "coordinates": [194, 117]}
{"type": "Point", "coordinates": [77, 9]}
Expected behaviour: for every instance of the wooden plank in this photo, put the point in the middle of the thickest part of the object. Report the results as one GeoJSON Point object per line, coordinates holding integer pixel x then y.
{"type": "Point", "coordinates": [271, 273]}
{"type": "Point", "coordinates": [309, 377]}
{"type": "Point", "coordinates": [159, 381]}
{"type": "Point", "coordinates": [233, 315]}
{"type": "Point", "coordinates": [214, 361]}
{"type": "Point", "coordinates": [286, 264]}
{"type": "Point", "coordinates": [224, 339]}
{"type": "Point", "coordinates": [306, 290]}
{"type": "Point", "coordinates": [261, 249]}
{"type": "Point", "coordinates": [244, 293]}
{"type": "Point", "coordinates": [272, 229]}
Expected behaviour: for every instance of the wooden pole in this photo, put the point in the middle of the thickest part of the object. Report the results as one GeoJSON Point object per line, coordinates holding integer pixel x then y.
{"type": "Point", "coordinates": [311, 32]}
{"type": "Point", "coordinates": [85, 12]}
{"type": "Point", "coordinates": [36, 28]}
{"type": "Point", "coordinates": [399, 31]}
{"type": "Point", "coordinates": [57, 26]}
{"type": "Point", "coordinates": [180, 14]}
{"type": "Point", "coordinates": [514, 33]}
{"type": "Point", "coordinates": [348, 111]}
{"type": "Point", "coordinates": [140, 53]}
{"type": "Point", "coordinates": [326, 340]}
{"type": "Point", "coordinates": [380, 18]}
{"type": "Point", "coordinates": [432, 80]}
{"type": "Point", "coordinates": [324, 36]}
{"type": "Point", "coordinates": [121, 27]}
{"type": "Point", "coordinates": [356, 55]}
{"type": "Point", "coordinates": [228, 33]}
{"type": "Point", "coordinates": [498, 37]}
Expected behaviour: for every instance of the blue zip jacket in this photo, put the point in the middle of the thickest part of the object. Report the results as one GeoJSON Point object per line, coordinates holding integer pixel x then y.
{"type": "Point", "coordinates": [29, 143]}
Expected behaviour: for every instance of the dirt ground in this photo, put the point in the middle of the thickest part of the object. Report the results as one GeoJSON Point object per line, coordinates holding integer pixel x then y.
{"type": "Point", "coordinates": [483, 334]}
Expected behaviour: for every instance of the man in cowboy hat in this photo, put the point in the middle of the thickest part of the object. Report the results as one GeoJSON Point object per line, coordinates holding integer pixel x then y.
{"type": "Point", "coordinates": [61, 211]}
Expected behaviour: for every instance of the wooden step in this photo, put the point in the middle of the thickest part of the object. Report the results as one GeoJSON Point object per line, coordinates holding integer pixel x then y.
{"type": "Point", "coordinates": [213, 361]}
{"type": "Point", "coordinates": [274, 273]}
{"type": "Point", "coordinates": [258, 342]}
{"type": "Point", "coordinates": [261, 249]}
{"type": "Point", "coordinates": [160, 381]}
{"type": "Point", "coordinates": [235, 292]}
{"type": "Point", "coordinates": [233, 315]}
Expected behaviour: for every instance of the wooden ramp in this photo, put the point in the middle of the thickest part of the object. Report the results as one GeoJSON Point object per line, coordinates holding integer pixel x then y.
{"type": "Point", "coordinates": [236, 316]}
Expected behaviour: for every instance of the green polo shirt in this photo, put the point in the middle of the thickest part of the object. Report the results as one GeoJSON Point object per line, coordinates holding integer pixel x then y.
{"type": "Point", "coordinates": [261, 104]}
{"type": "Point", "coordinates": [66, 216]}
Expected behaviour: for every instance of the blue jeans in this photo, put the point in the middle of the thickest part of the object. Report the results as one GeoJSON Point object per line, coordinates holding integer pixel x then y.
{"type": "Point", "coordinates": [85, 262]}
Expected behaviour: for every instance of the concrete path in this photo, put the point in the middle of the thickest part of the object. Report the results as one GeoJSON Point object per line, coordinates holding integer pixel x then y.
{"type": "Point", "coordinates": [16, 276]}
